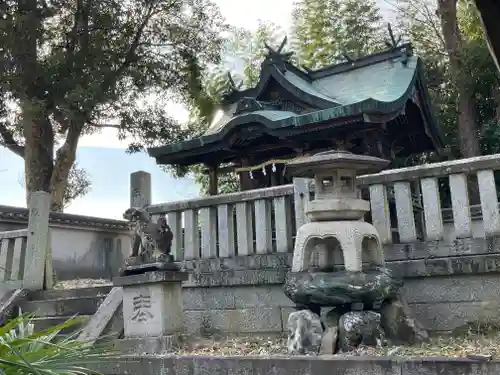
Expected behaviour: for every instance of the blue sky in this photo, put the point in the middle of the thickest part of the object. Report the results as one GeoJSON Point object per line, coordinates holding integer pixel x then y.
{"type": "Point", "coordinates": [103, 156]}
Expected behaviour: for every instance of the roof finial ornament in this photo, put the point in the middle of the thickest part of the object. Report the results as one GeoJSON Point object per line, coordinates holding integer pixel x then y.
{"type": "Point", "coordinates": [278, 53]}
{"type": "Point", "coordinates": [393, 43]}
{"type": "Point", "coordinates": [232, 85]}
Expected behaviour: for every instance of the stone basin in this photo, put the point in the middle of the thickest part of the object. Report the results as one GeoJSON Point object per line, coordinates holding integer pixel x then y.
{"type": "Point", "coordinates": [342, 287]}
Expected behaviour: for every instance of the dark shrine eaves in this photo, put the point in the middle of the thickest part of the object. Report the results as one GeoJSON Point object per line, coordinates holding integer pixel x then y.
{"type": "Point", "coordinates": [289, 101]}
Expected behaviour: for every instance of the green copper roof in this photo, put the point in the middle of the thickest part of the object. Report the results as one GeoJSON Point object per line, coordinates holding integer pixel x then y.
{"type": "Point", "coordinates": [377, 84]}
{"type": "Point", "coordinates": [386, 81]}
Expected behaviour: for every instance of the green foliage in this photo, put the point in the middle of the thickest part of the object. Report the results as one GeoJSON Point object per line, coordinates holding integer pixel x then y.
{"type": "Point", "coordinates": [324, 30]}
{"type": "Point", "coordinates": [66, 67]}
{"type": "Point", "coordinates": [245, 52]}
{"type": "Point", "coordinates": [79, 184]}
{"type": "Point", "coordinates": [418, 21]}
{"type": "Point", "coordinates": [26, 352]}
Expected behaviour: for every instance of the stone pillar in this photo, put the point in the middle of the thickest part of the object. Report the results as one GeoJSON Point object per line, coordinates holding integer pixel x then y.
{"type": "Point", "coordinates": [153, 308]}
{"type": "Point", "coordinates": [140, 189]}
{"type": "Point", "coordinates": [38, 241]}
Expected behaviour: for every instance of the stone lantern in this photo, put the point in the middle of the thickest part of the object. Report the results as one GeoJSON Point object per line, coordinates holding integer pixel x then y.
{"type": "Point", "coordinates": [337, 210]}
{"type": "Point", "coordinates": [365, 306]}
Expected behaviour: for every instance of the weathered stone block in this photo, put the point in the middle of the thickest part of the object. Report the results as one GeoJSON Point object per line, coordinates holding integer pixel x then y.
{"type": "Point", "coordinates": [305, 332]}
{"type": "Point", "coordinates": [400, 324]}
{"type": "Point", "coordinates": [259, 320]}
{"type": "Point", "coordinates": [152, 303]}
{"type": "Point", "coordinates": [360, 328]}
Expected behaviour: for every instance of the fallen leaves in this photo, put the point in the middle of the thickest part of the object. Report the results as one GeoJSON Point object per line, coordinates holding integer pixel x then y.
{"type": "Point", "coordinates": [471, 345]}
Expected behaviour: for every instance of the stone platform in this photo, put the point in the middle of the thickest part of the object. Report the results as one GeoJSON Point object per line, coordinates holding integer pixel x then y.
{"type": "Point", "coordinates": [330, 365]}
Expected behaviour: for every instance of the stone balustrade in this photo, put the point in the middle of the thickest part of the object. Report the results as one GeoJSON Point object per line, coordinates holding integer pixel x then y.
{"type": "Point", "coordinates": [25, 255]}
{"type": "Point", "coordinates": [12, 256]}
{"type": "Point", "coordinates": [423, 183]}
{"type": "Point", "coordinates": [265, 220]}
{"type": "Point", "coordinates": [250, 222]}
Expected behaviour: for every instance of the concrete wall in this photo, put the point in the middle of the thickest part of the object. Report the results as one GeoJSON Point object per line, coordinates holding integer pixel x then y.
{"type": "Point", "coordinates": [82, 246]}
{"type": "Point", "coordinates": [88, 253]}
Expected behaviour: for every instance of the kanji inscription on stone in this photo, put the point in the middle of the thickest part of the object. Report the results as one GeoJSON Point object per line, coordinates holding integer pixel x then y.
{"type": "Point", "coordinates": [142, 308]}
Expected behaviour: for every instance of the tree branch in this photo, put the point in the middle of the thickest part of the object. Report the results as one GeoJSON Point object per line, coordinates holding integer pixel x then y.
{"type": "Point", "coordinates": [9, 142]}
{"type": "Point", "coordinates": [129, 56]}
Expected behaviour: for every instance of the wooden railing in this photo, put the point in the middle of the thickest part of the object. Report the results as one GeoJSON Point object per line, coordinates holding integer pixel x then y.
{"type": "Point", "coordinates": [424, 182]}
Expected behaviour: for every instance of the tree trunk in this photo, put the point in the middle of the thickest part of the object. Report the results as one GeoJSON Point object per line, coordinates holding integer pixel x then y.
{"type": "Point", "coordinates": [65, 159]}
{"type": "Point", "coordinates": [38, 151]}
{"type": "Point", "coordinates": [489, 12]}
{"type": "Point", "coordinates": [469, 144]}
{"type": "Point", "coordinates": [41, 171]}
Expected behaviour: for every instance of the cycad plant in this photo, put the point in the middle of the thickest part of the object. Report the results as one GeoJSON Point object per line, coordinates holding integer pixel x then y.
{"type": "Point", "coordinates": [24, 351]}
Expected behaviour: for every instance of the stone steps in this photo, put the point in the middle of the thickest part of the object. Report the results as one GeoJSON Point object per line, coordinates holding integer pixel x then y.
{"type": "Point", "coordinates": [51, 321]}
{"type": "Point", "coordinates": [68, 293]}
{"type": "Point", "coordinates": [63, 306]}
{"type": "Point", "coordinates": [57, 306]}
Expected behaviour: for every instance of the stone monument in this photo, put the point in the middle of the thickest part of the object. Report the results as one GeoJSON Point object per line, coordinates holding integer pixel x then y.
{"type": "Point", "coordinates": [152, 286]}
{"type": "Point", "coordinates": [336, 230]}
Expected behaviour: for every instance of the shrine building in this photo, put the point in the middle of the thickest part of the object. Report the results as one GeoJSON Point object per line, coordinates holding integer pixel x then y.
{"type": "Point", "coordinates": [374, 105]}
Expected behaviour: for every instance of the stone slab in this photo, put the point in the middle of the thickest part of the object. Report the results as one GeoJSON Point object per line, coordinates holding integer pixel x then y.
{"type": "Point", "coordinates": [297, 365]}
{"type": "Point", "coordinates": [97, 291]}
{"type": "Point", "coordinates": [63, 306]}
{"type": "Point", "coordinates": [240, 277]}
{"type": "Point", "coordinates": [456, 289]}
{"type": "Point", "coordinates": [437, 249]}
{"type": "Point", "coordinates": [151, 277]}
{"type": "Point", "coordinates": [135, 269]}
{"type": "Point", "coordinates": [235, 297]}
{"type": "Point", "coordinates": [9, 300]}
{"type": "Point", "coordinates": [259, 320]}
{"type": "Point", "coordinates": [147, 345]}
{"type": "Point", "coordinates": [447, 316]}
{"type": "Point", "coordinates": [237, 263]}
{"type": "Point", "coordinates": [460, 265]}
{"type": "Point", "coordinates": [103, 316]}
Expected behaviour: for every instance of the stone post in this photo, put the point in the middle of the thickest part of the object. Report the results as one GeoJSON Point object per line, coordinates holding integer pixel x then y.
{"type": "Point", "coordinates": [38, 241]}
{"type": "Point", "coordinates": [140, 189]}
{"type": "Point", "coordinates": [152, 309]}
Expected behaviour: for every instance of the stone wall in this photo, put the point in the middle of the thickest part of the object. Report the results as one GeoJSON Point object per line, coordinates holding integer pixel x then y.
{"type": "Point", "coordinates": [448, 286]}
{"type": "Point", "coordinates": [82, 246]}
{"type": "Point", "coordinates": [294, 365]}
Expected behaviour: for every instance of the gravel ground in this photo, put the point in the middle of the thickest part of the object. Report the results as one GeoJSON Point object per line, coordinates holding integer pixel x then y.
{"type": "Point", "coordinates": [484, 346]}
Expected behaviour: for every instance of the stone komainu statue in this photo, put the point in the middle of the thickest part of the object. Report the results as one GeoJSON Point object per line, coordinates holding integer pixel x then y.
{"type": "Point", "coordinates": [151, 242]}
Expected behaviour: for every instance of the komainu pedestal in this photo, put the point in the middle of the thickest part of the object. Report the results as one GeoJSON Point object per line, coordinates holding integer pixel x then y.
{"type": "Point", "coordinates": [152, 303]}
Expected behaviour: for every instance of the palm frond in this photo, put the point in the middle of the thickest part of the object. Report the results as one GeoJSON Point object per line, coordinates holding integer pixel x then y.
{"type": "Point", "coordinates": [25, 351]}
